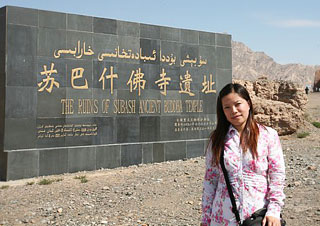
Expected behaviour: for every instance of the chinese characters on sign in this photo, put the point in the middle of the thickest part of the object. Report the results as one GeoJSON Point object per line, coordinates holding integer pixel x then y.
{"type": "Point", "coordinates": [135, 82]}
{"type": "Point", "coordinates": [190, 124]}
{"type": "Point", "coordinates": [111, 77]}
{"type": "Point", "coordinates": [208, 85]}
{"type": "Point", "coordinates": [77, 73]}
{"type": "Point", "coordinates": [186, 83]}
{"type": "Point", "coordinates": [48, 82]}
{"type": "Point", "coordinates": [163, 82]}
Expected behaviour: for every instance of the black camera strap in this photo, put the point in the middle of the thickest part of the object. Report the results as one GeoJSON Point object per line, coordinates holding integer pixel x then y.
{"type": "Point", "coordinates": [226, 177]}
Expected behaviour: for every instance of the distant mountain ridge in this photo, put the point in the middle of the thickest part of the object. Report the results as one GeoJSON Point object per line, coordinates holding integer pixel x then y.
{"type": "Point", "coordinates": [250, 65]}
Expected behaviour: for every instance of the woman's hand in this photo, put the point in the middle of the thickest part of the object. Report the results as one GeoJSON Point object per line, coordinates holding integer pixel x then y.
{"type": "Point", "coordinates": [270, 221]}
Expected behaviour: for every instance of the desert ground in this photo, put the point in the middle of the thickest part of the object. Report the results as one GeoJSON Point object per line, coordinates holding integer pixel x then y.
{"type": "Point", "coordinates": [167, 193]}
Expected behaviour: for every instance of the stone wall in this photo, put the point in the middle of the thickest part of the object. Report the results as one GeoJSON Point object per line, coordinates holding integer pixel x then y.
{"type": "Point", "coordinates": [279, 104]}
{"type": "Point", "coordinates": [82, 93]}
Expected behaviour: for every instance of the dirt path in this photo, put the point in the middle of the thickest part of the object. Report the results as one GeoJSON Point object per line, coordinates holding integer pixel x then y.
{"type": "Point", "coordinates": [313, 106]}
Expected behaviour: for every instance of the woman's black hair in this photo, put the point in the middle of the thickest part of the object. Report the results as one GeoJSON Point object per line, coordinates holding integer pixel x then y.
{"type": "Point", "coordinates": [249, 136]}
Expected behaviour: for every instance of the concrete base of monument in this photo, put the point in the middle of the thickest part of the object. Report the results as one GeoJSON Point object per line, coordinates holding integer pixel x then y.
{"type": "Point", "coordinates": [29, 163]}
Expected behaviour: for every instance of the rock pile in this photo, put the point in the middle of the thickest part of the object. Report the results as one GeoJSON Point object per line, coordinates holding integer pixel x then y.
{"type": "Point", "coordinates": [279, 104]}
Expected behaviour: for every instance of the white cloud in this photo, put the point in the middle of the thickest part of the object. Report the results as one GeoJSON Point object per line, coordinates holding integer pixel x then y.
{"type": "Point", "coordinates": [297, 23]}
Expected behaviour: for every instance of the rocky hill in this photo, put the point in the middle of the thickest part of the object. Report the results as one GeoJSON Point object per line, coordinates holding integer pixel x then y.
{"type": "Point", "coordinates": [250, 65]}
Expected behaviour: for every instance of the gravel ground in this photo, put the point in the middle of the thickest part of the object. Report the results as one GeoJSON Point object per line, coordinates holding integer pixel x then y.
{"type": "Point", "coordinates": [167, 193]}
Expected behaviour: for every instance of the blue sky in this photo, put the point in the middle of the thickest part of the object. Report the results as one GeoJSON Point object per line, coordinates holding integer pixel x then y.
{"type": "Point", "coordinates": [286, 30]}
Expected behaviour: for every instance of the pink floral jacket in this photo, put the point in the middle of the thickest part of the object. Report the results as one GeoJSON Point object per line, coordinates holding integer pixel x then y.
{"type": "Point", "coordinates": [256, 183]}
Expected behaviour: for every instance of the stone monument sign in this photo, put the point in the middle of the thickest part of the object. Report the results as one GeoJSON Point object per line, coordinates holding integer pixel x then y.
{"type": "Point", "coordinates": [84, 93]}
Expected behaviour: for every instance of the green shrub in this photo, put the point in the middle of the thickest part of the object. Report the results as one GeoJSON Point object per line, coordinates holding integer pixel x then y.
{"type": "Point", "coordinates": [45, 181]}
{"type": "Point", "coordinates": [316, 124]}
{"type": "Point", "coordinates": [83, 178]}
{"type": "Point", "coordinates": [303, 134]}
{"type": "Point", "coordinates": [30, 183]}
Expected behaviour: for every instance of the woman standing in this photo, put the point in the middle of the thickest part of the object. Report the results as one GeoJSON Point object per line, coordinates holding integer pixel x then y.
{"type": "Point", "coordinates": [253, 158]}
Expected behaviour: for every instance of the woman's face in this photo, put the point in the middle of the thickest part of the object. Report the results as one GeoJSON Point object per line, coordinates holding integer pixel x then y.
{"type": "Point", "coordinates": [236, 110]}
